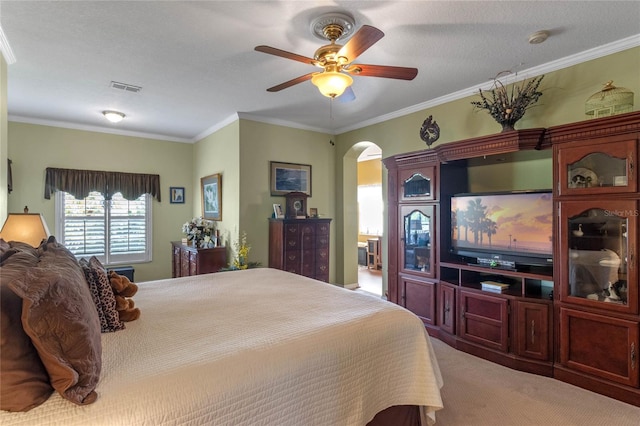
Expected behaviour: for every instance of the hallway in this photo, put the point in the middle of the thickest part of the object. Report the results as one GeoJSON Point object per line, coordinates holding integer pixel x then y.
{"type": "Point", "coordinates": [370, 280]}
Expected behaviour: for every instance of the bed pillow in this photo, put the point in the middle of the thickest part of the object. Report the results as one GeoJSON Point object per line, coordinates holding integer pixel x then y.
{"type": "Point", "coordinates": [60, 317]}
{"type": "Point", "coordinates": [102, 295]}
{"type": "Point", "coordinates": [25, 382]}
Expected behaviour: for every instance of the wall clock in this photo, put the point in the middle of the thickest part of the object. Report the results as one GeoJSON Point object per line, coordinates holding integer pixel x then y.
{"type": "Point", "coordinates": [296, 206]}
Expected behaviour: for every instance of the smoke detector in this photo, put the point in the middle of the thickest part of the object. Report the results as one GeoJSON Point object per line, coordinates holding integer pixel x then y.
{"type": "Point", "coordinates": [538, 37]}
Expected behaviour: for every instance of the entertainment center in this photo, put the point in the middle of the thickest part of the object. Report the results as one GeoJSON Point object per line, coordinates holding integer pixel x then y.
{"type": "Point", "coordinates": [542, 279]}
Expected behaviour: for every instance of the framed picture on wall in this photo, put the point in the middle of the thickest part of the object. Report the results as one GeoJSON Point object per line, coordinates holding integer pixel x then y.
{"type": "Point", "coordinates": [211, 192]}
{"type": "Point", "coordinates": [176, 195]}
{"type": "Point", "coordinates": [290, 177]}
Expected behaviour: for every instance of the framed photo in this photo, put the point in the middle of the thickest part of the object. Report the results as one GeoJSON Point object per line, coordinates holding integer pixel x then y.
{"type": "Point", "coordinates": [176, 195]}
{"type": "Point", "coordinates": [290, 177]}
{"type": "Point", "coordinates": [313, 212]}
{"type": "Point", "coordinates": [211, 192]}
{"type": "Point", "coordinates": [277, 211]}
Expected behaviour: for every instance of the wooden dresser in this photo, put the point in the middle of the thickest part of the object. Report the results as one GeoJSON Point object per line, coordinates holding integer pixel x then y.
{"type": "Point", "coordinates": [189, 260]}
{"type": "Point", "coordinates": [300, 246]}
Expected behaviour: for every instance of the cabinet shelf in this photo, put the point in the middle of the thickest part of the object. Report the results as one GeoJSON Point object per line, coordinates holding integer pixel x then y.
{"type": "Point", "coordinates": [534, 285]}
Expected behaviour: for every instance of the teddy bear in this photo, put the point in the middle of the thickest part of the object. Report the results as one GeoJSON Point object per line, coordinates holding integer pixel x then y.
{"type": "Point", "coordinates": [123, 290]}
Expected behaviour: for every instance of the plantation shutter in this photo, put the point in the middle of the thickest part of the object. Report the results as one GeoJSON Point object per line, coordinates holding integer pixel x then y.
{"type": "Point", "coordinates": [85, 224]}
{"type": "Point", "coordinates": [115, 231]}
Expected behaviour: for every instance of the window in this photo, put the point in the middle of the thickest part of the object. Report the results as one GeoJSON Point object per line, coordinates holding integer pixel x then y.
{"type": "Point", "coordinates": [115, 231]}
{"type": "Point", "coordinates": [370, 209]}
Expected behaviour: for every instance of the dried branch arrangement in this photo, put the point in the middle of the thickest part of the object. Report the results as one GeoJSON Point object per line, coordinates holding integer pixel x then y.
{"type": "Point", "coordinates": [509, 106]}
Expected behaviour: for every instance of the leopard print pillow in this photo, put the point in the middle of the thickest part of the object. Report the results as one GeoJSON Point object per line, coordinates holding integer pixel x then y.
{"type": "Point", "coordinates": [101, 291]}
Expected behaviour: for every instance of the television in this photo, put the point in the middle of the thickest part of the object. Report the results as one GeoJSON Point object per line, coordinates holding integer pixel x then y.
{"type": "Point", "coordinates": [506, 229]}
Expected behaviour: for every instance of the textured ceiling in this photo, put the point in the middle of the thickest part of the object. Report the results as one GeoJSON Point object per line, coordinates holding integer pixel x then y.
{"type": "Point", "coordinates": [198, 70]}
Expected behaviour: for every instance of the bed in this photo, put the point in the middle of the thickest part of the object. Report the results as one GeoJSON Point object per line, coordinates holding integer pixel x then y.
{"type": "Point", "coordinates": [257, 347]}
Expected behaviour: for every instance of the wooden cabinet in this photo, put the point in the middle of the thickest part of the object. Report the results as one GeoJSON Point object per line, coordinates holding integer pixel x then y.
{"type": "Point", "coordinates": [419, 297]}
{"type": "Point", "coordinates": [598, 166]}
{"type": "Point", "coordinates": [577, 320]}
{"type": "Point", "coordinates": [412, 244]}
{"type": "Point", "coordinates": [484, 320]}
{"type": "Point", "coordinates": [189, 260]}
{"type": "Point", "coordinates": [418, 184]}
{"type": "Point", "coordinates": [447, 308]}
{"type": "Point", "coordinates": [598, 240]}
{"type": "Point", "coordinates": [596, 259]}
{"type": "Point", "coordinates": [600, 345]}
{"type": "Point", "coordinates": [300, 246]}
{"type": "Point", "coordinates": [512, 327]}
{"type": "Point", "coordinates": [417, 239]}
{"type": "Point", "coordinates": [533, 337]}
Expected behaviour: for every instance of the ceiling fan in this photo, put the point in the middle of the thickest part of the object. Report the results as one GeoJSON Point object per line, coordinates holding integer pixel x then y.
{"type": "Point", "coordinates": [336, 60]}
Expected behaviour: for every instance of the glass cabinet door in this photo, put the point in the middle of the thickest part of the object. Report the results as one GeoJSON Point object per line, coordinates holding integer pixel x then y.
{"type": "Point", "coordinates": [598, 253]}
{"type": "Point", "coordinates": [598, 168]}
{"type": "Point", "coordinates": [417, 251]}
{"type": "Point", "coordinates": [417, 185]}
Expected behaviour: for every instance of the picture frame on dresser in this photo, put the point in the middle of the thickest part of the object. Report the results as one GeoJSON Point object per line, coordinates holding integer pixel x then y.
{"type": "Point", "coordinates": [289, 177]}
{"type": "Point", "coordinates": [176, 195]}
{"type": "Point", "coordinates": [211, 195]}
{"type": "Point", "coordinates": [277, 211]}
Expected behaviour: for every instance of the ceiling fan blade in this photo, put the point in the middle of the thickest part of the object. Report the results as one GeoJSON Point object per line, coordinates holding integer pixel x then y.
{"type": "Point", "coordinates": [400, 73]}
{"type": "Point", "coordinates": [290, 83]}
{"type": "Point", "coordinates": [285, 54]}
{"type": "Point", "coordinates": [347, 96]}
{"type": "Point", "coordinates": [366, 37]}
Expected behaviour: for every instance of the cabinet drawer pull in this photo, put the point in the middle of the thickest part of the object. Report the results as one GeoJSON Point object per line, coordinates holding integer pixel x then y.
{"type": "Point", "coordinates": [633, 355]}
{"type": "Point", "coordinates": [533, 331]}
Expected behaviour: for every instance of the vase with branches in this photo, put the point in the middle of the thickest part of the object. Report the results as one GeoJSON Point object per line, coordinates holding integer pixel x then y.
{"type": "Point", "coordinates": [507, 106]}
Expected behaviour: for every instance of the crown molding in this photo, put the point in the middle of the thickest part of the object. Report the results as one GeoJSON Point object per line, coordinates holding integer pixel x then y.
{"type": "Point", "coordinates": [98, 129]}
{"type": "Point", "coordinates": [578, 58]}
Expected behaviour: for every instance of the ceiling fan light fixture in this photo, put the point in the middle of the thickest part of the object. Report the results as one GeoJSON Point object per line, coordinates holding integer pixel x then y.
{"type": "Point", "coordinates": [331, 83]}
{"type": "Point", "coordinates": [113, 116]}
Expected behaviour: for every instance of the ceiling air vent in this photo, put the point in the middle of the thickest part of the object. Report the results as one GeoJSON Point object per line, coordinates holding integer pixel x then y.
{"type": "Point", "coordinates": [126, 87]}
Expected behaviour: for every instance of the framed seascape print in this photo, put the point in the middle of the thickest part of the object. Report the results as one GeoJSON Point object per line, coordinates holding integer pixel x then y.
{"type": "Point", "coordinates": [176, 195]}
{"type": "Point", "coordinates": [290, 177]}
{"type": "Point", "coordinates": [211, 188]}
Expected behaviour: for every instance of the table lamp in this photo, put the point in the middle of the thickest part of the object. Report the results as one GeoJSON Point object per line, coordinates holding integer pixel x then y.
{"type": "Point", "coordinates": [30, 228]}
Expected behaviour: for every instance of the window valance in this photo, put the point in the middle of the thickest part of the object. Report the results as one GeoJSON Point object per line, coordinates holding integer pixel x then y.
{"type": "Point", "coordinates": [80, 183]}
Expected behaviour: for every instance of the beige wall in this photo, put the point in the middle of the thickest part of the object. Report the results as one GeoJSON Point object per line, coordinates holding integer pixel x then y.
{"type": "Point", "coordinates": [220, 153]}
{"type": "Point", "coordinates": [242, 150]}
{"type": "Point", "coordinates": [4, 140]}
{"type": "Point", "coordinates": [261, 143]}
{"type": "Point", "coordinates": [33, 148]}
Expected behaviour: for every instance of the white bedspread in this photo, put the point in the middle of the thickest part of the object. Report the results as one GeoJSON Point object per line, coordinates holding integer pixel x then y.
{"type": "Point", "coordinates": [255, 347]}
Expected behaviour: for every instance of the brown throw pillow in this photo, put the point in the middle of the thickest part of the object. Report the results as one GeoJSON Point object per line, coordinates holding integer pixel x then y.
{"type": "Point", "coordinates": [61, 319]}
{"type": "Point", "coordinates": [25, 382]}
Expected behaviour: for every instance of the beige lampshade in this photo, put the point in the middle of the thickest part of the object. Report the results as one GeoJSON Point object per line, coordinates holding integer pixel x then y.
{"type": "Point", "coordinates": [29, 228]}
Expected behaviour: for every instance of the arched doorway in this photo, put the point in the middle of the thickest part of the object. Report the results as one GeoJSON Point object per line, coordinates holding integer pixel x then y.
{"type": "Point", "coordinates": [364, 218]}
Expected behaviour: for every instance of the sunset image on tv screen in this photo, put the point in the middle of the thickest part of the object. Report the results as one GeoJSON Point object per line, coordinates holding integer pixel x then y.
{"type": "Point", "coordinates": [520, 222]}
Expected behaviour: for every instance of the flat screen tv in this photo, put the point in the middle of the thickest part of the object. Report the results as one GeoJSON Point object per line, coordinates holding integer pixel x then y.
{"type": "Point", "coordinates": [503, 229]}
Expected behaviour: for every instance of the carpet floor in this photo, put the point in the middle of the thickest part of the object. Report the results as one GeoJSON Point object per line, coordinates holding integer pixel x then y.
{"type": "Point", "coordinates": [477, 392]}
